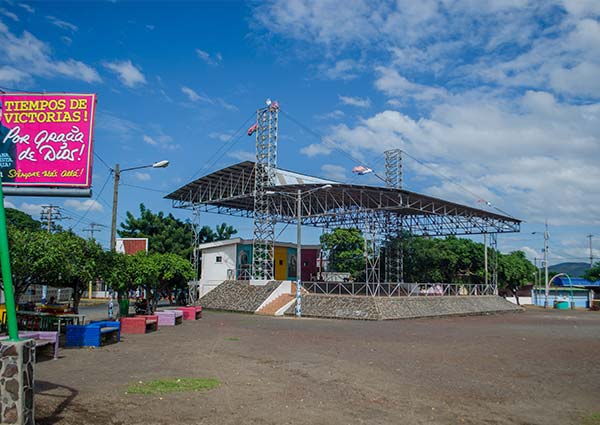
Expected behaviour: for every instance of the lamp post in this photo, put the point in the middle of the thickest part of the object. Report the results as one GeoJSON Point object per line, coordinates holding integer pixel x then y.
{"type": "Point", "coordinates": [299, 196]}
{"type": "Point", "coordinates": [118, 171]}
{"type": "Point", "coordinates": [547, 286]}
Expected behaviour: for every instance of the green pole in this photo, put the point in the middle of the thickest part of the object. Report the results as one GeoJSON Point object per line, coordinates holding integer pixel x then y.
{"type": "Point", "coordinates": [571, 290]}
{"type": "Point", "coordinates": [9, 295]}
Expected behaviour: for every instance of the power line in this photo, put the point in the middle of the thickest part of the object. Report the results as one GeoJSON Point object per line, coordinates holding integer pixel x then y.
{"type": "Point", "coordinates": [144, 188]}
{"type": "Point", "coordinates": [102, 161]}
{"type": "Point", "coordinates": [91, 203]}
{"type": "Point", "coordinates": [213, 159]}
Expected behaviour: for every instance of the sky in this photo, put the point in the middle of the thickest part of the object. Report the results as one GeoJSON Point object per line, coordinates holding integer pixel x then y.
{"type": "Point", "coordinates": [497, 100]}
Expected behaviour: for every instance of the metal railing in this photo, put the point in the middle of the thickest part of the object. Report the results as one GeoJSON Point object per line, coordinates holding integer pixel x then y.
{"type": "Point", "coordinates": [34, 294]}
{"type": "Point", "coordinates": [399, 289]}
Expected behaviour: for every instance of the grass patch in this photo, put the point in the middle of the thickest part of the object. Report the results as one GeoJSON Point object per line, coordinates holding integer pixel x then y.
{"type": "Point", "coordinates": [593, 419]}
{"type": "Point", "coordinates": [166, 386]}
{"type": "Point", "coordinates": [232, 338]}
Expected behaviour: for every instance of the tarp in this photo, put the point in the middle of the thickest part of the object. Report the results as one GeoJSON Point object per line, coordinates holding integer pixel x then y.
{"type": "Point", "coordinates": [575, 281]}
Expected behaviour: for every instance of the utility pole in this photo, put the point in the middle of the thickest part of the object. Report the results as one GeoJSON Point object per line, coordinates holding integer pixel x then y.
{"type": "Point", "coordinates": [546, 237]}
{"type": "Point", "coordinates": [113, 222]}
{"type": "Point", "coordinates": [92, 229]}
{"type": "Point", "coordinates": [50, 214]}
{"type": "Point", "coordinates": [591, 252]}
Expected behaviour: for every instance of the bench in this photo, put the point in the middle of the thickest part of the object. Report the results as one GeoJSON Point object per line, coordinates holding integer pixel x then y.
{"type": "Point", "coordinates": [191, 312]}
{"type": "Point", "coordinates": [139, 324]}
{"type": "Point", "coordinates": [169, 317]}
{"type": "Point", "coordinates": [42, 339]}
{"type": "Point", "coordinates": [94, 334]}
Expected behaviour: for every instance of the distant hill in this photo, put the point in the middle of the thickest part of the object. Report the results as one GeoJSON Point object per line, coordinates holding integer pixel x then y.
{"type": "Point", "coordinates": [572, 269]}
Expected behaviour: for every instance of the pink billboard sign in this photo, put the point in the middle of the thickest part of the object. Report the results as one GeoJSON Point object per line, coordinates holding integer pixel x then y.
{"type": "Point", "coordinates": [46, 139]}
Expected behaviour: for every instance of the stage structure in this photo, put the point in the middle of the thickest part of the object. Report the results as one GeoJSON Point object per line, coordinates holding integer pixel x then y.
{"type": "Point", "coordinates": [373, 210]}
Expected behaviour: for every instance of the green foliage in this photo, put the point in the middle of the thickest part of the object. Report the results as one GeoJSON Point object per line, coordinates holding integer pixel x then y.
{"type": "Point", "coordinates": [21, 220]}
{"type": "Point", "coordinates": [345, 250]}
{"type": "Point", "coordinates": [167, 234]}
{"type": "Point", "coordinates": [166, 386]}
{"type": "Point", "coordinates": [593, 274]}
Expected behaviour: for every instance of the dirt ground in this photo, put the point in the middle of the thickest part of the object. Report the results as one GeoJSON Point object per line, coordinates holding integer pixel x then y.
{"type": "Point", "coordinates": [535, 367]}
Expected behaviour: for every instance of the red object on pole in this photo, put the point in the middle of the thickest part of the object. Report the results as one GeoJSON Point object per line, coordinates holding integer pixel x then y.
{"type": "Point", "coordinates": [252, 129]}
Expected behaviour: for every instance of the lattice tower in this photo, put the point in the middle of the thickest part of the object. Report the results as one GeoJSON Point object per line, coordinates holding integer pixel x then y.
{"type": "Point", "coordinates": [394, 255]}
{"type": "Point", "coordinates": [264, 178]}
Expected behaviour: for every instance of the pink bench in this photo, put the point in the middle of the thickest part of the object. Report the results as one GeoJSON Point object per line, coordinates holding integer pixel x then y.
{"type": "Point", "coordinates": [139, 324]}
{"type": "Point", "coordinates": [169, 317]}
{"type": "Point", "coordinates": [191, 312]}
{"type": "Point", "coordinates": [42, 339]}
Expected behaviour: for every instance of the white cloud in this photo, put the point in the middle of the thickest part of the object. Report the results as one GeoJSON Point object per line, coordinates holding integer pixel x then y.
{"type": "Point", "coordinates": [116, 125]}
{"type": "Point", "coordinates": [191, 94]}
{"type": "Point", "coordinates": [207, 58]}
{"type": "Point", "coordinates": [62, 24]}
{"type": "Point", "coordinates": [315, 149]}
{"type": "Point", "coordinates": [334, 172]}
{"type": "Point", "coordinates": [511, 154]}
{"type": "Point", "coordinates": [345, 70]}
{"type": "Point", "coordinates": [333, 115]}
{"type": "Point", "coordinates": [8, 204]}
{"type": "Point", "coordinates": [149, 140]}
{"type": "Point", "coordinates": [222, 136]}
{"type": "Point", "coordinates": [33, 58]}
{"type": "Point", "coordinates": [128, 73]}
{"type": "Point", "coordinates": [393, 84]}
{"type": "Point", "coordinates": [33, 210]}
{"type": "Point", "coordinates": [143, 177]}
{"type": "Point", "coordinates": [9, 14]}
{"type": "Point", "coordinates": [242, 155]}
{"type": "Point", "coordinates": [87, 205]}
{"type": "Point", "coordinates": [10, 75]}
{"type": "Point", "coordinates": [150, 27]}
{"type": "Point", "coordinates": [355, 101]}
{"type": "Point", "coordinates": [27, 7]}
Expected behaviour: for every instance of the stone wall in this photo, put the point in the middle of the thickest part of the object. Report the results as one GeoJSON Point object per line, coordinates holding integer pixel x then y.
{"type": "Point", "coordinates": [384, 308]}
{"type": "Point", "coordinates": [233, 295]}
{"type": "Point", "coordinates": [16, 382]}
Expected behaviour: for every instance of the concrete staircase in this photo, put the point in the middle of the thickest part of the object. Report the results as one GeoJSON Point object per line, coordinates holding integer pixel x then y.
{"type": "Point", "coordinates": [275, 305]}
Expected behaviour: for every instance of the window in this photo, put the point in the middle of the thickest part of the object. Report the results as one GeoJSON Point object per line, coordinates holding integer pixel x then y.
{"type": "Point", "coordinates": [219, 259]}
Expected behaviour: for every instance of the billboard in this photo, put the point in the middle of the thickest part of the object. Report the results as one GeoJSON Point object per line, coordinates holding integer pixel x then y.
{"type": "Point", "coordinates": [46, 140]}
{"type": "Point", "coordinates": [131, 246]}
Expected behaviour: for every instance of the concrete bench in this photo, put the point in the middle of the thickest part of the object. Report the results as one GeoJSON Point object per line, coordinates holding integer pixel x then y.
{"type": "Point", "coordinates": [169, 317]}
{"type": "Point", "coordinates": [42, 339]}
{"type": "Point", "coordinates": [139, 324]}
{"type": "Point", "coordinates": [94, 334]}
{"type": "Point", "coordinates": [191, 312]}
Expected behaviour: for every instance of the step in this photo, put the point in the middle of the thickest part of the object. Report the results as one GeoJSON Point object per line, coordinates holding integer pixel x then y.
{"type": "Point", "coordinates": [271, 308]}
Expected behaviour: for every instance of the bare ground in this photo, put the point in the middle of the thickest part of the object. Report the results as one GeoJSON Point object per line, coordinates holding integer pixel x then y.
{"type": "Point", "coordinates": [535, 367]}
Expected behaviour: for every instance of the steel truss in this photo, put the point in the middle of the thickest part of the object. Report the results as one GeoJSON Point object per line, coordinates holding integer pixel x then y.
{"type": "Point", "coordinates": [394, 248]}
{"type": "Point", "coordinates": [264, 178]}
{"type": "Point", "coordinates": [379, 212]}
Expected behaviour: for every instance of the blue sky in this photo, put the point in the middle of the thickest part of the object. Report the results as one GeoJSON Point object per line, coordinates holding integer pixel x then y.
{"type": "Point", "coordinates": [502, 97]}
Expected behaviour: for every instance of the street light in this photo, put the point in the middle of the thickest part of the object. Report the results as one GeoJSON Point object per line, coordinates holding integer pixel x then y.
{"type": "Point", "coordinates": [113, 228]}
{"type": "Point", "coordinates": [299, 196]}
{"type": "Point", "coordinates": [547, 286]}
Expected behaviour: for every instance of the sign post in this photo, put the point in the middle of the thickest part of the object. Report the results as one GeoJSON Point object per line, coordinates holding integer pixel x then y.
{"type": "Point", "coordinates": [9, 295]}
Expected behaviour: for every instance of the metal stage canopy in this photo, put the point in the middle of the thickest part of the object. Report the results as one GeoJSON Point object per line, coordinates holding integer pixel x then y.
{"type": "Point", "coordinates": [371, 209]}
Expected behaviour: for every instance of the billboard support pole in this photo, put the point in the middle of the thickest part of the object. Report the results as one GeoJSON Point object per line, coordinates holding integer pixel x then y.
{"type": "Point", "coordinates": [9, 295]}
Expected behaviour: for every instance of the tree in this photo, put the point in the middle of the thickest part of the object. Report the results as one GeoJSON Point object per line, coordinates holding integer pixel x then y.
{"type": "Point", "coordinates": [593, 274]}
{"type": "Point", "coordinates": [345, 250]}
{"type": "Point", "coordinates": [78, 263]}
{"type": "Point", "coordinates": [21, 220]}
{"type": "Point", "coordinates": [168, 234]}
{"type": "Point", "coordinates": [31, 260]}
{"type": "Point", "coordinates": [174, 272]}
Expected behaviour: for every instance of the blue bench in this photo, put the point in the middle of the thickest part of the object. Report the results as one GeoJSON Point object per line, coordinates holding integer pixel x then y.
{"type": "Point", "coordinates": [94, 334]}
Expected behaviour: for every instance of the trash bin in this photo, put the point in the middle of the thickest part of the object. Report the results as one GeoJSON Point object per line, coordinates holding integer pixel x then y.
{"type": "Point", "coordinates": [561, 305]}
{"type": "Point", "coordinates": [124, 307]}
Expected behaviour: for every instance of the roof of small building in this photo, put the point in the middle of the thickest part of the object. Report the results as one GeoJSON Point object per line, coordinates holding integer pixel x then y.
{"type": "Point", "coordinates": [240, 241]}
{"type": "Point", "coordinates": [575, 281]}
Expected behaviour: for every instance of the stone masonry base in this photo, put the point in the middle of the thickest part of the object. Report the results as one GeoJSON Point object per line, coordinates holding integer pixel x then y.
{"type": "Point", "coordinates": [16, 382]}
